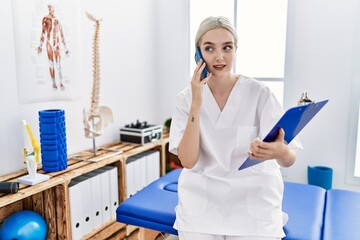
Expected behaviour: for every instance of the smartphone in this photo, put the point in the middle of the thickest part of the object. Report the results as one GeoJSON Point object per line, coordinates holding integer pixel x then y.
{"type": "Point", "coordinates": [199, 56]}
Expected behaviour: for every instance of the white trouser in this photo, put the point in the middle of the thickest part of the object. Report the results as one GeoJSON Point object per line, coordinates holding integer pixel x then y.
{"type": "Point", "coordinates": [204, 236]}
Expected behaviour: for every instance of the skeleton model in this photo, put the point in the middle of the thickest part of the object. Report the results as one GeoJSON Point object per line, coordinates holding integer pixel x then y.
{"type": "Point", "coordinates": [97, 118]}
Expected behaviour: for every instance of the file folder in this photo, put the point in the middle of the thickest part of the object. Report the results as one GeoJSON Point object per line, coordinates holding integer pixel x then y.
{"type": "Point", "coordinates": [143, 165]}
{"type": "Point", "coordinates": [149, 167]}
{"type": "Point", "coordinates": [137, 172]}
{"type": "Point", "coordinates": [152, 165]}
{"type": "Point", "coordinates": [96, 205]}
{"type": "Point", "coordinates": [155, 161]}
{"type": "Point", "coordinates": [77, 228]}
{"type": "Point", "coordinates": [139, 161]}
{"type": "Point", "coordinates": [293, 121]}
{"type": "Point", "coordinates": [114, 189]}
{"type": "Point", "coordinates": [130, 180]}
{"type": "Point", "coordinates": [105, 194]}
{"type": "Point", "coordinates": [84, 186]}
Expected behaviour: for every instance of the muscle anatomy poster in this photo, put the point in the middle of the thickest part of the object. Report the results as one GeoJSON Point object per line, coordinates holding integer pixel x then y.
{"type": "Point", "coordinates": [48, 51]}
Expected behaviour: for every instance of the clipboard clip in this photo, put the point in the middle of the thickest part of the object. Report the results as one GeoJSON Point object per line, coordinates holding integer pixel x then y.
{"type": "Point", "coordinates": [304, 100]}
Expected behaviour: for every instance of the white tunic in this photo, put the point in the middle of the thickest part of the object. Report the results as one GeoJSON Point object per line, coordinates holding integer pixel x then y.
{"type": "Point", "coordinates": [214, 196]}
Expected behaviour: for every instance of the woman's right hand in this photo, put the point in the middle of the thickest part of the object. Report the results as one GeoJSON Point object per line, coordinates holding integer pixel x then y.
{"type": "Point", "coordinates": [197, 83]}
{"type": "Point", "coordinates": [189, 146]}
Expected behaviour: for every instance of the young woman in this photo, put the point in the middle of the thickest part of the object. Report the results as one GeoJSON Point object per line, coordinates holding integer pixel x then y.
{"type": "Point", "coordinates": [217, 123]}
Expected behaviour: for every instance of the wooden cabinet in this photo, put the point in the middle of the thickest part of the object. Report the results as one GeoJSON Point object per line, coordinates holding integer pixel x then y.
{"type": "Point", "coordinates": [51, 198]}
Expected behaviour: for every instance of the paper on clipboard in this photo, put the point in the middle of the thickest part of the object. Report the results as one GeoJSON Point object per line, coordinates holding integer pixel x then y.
{"type": "Point", "coordinates": [293, 121]}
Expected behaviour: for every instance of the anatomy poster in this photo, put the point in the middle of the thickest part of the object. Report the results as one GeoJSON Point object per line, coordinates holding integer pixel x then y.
{"type": "Point", "coordinates": [48, 51]}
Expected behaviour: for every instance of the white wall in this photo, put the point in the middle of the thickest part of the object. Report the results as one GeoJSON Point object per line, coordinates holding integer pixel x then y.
{"type": "Point", "coordinates": [320, 60]}
{"type": "Point", "coordinates": [172, 37]}
{"type": "Point", "coordinates": [128, 78]}
{"type": "Point", "coordinates": [144, 63]}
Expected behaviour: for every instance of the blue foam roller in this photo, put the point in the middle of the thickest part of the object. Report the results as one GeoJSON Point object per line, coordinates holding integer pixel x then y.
{"type": "Point", "coordinates": [55, 169]}
{"type": "Point", "coordinates": [59, 159]}
{"type": "Point", "coordinates": [53, 156]}
{"type": "Point", "coordinates": [52, 113]}
{"type": "Point", "coordinates": [52, 119]}
{"type": "Point", "coordinates": [53, 136]}
{"type": "Point", "coordinates": [52, 128]}
{"type": "Point", "coordinates": [60, 146]}
{"type": "Point", "coordinates": [52, 164]}
{"type": "Point", "coordinates": [52, 141]}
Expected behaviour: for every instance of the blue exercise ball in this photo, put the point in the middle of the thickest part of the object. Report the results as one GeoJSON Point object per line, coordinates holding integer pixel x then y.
{"type": "Point", "coordinates": [24, 225]}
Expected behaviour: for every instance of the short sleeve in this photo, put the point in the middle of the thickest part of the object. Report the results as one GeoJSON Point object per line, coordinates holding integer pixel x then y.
{"type": "Point", "coordinates": [178, 122]}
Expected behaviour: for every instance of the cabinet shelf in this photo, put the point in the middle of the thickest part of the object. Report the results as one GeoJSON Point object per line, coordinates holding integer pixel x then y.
{"type": "Point", "coordinates": [54, 193]}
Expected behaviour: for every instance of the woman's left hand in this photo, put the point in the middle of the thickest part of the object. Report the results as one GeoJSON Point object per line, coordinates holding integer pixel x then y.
{"type": "Point", "coordinates": [278, 150]}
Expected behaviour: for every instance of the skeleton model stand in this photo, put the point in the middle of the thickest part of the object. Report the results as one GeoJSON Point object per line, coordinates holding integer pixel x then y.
{"type": "Point", "coordinates": [98, 117]}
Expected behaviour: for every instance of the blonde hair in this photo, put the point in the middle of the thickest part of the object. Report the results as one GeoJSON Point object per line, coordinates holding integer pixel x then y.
{"type": "Point", "coordinates": [211, 23]}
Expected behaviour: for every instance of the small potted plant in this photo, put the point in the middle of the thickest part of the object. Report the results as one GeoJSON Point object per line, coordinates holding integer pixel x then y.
{"type": "Point", "coordinates": [167, 124]}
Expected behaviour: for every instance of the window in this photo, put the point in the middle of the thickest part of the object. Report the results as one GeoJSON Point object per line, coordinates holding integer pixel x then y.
{"type": "Point", "coordinates": [261, 27]}
{"type": "Point", "coordinates": [354, 132]}
{"type": "Point", "coordinates": [353, 158]}
{"type": "Point", "coordinates": [353, 161]}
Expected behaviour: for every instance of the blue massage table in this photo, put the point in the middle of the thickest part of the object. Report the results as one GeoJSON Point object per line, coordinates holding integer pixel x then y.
{"type": "Point", "coordinates": [305, 206]}
{"type": "Point", "coordinates": [342, 215]}
{"type": "Point", "coordinates": [153, 208]}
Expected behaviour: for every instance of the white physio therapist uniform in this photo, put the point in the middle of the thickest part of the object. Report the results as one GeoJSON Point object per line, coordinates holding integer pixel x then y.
{"type": "Point", "coordinates": [214, 196]}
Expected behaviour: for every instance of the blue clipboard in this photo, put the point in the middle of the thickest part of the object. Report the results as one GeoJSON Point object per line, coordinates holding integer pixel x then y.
{"type": "Point", "coordinates": [293, 121]}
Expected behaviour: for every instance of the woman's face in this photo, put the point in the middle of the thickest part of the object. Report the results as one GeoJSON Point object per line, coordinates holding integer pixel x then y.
{"type": "Point", "coordinates": [218, 49]}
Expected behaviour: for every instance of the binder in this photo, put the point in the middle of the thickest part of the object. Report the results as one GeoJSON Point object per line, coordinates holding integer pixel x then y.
{"type": "Point", "coordinates": [114, 189]}
{"type": "Point", "coordinates": [95, 182]}
{"type": "Point", "coordinates": [154, 161]}
{"type": "Point", "coordinates": [149, 167]}
{"type": "Point", "coordinates": [84, 185]}
{"type": "Point", "coordinates": [130, 181]}
{"type": "Point", "coordinates": [142, 173]}
{"type": "Point", "coordinates": [293, 121]}
{"type": "Point", "coordinates": [139, 176]}
{"type": "Point", "coordinates": [133, 174]}
{"type": "Point", "coordinates": [136, 176]}
{"type": "Point", "coordinates": [105, 194]}
{"type": "Point", "coordinates": [75, 210]}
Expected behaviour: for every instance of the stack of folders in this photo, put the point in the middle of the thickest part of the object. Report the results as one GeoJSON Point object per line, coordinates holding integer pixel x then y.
{"type": "Point", "coordinates": [141, 170]}
{"type": "Point", "coordinates": [93, 198]}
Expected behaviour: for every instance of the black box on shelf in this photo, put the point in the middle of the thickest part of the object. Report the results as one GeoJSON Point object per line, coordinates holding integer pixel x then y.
{"type": "Point", "coordinates": [141, 133]}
